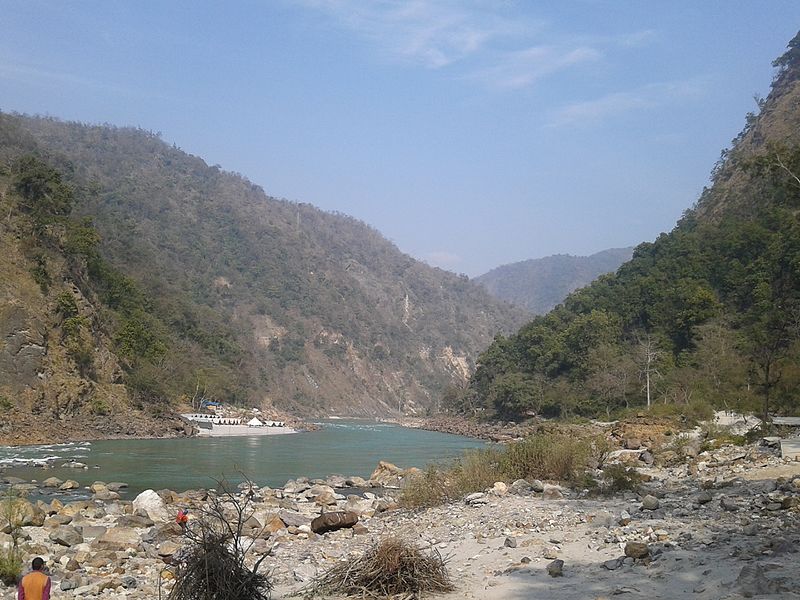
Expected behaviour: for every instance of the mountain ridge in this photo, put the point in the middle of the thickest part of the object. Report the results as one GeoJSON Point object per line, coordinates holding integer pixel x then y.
{"type": "Point", "coordinates": [539, 284]}
{"type": "Point", "coordinates": [261, 300]}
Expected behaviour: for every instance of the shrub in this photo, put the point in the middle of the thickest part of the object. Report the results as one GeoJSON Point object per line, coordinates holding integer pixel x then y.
{"type": "Point", "coordinates": [10, 566]}
{"type": "Point", "coordinates": [545, 456]}
{"type": "Point", "coordinates": [719, 435]}
{"type": "Point", "coordinates": [426, 489]}
{"type": "Point", "coordinates": [618, 478]}
{"type": "Point", "coordinates": [66, 305]}
{"type": "Point", "coordinates": [476, 470]}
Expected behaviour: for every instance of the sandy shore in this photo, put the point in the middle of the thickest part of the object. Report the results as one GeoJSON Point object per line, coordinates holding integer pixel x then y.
{"type": "Point", "coordinates": [243, 430]}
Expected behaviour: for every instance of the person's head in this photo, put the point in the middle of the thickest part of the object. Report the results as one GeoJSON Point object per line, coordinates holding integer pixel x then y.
{"type": "Point", "coordinates": [37, 563]}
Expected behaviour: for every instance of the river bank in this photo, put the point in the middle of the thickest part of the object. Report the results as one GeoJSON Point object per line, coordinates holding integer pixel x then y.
{"type": "Point", "coordinates": [725, 524]}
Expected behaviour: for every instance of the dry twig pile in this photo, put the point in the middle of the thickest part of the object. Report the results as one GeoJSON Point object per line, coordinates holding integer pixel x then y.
{"type": "Point", "coordinates": [391, 568]}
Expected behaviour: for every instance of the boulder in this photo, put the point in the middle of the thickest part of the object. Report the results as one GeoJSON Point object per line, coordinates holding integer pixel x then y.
{"type": "Point", "coordinates": [152, 504]}
{"type": "Point", "coordinates": [118, 539]}
{"type": "Point", "coordinates": [134, 521]}
{"type": "Point", "coordinates": [293, 519]}
{"type": "Point", "coordinates": [52, 482]}
{"type": "Point", "coordinates": [387, 474]}
{"type": "Point", "coordinates": [274, 524]}
{"type": "Point", "coordinates": [637, 550]}
{"type": "Point", "coordinates": [333, 520]}
{"type": "Point", "coordinates": [537, 486]}
{"type": "Point", "coordinates": [116, 486]}
{"type": "Point", "coordinates": [556, 568]}
{"type": "Point", "coordinates": [69, 484]}
{"type": "Point", "coordinates": [168, 548]}
{"type": "Point", "coordinates": [650, 503]}
{"type": "Point", "coordinates": [66, 535]}
{"type": "Point", "coordinates": [499, 489]}
{"type": "Point", "coordinates": [356, 482]}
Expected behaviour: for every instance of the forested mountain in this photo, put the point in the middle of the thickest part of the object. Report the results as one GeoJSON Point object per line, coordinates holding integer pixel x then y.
{"type": "Point", "coordinates": [203, 284]}
{"type": "Point", "coordinates": [539, 284]}
{"type": "Point", "coordinates": [706, 314]}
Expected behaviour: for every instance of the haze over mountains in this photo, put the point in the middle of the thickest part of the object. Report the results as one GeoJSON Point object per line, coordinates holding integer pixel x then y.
{"type": "Point", "coordinates": [539, 284]}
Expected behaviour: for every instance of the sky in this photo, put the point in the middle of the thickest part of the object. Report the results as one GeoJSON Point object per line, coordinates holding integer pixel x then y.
{"type": "Point", "coordinates": [470, 133]}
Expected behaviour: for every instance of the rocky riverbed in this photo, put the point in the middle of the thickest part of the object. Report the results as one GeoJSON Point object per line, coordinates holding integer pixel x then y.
{"type": "Point", "coordinates": [724, 525]}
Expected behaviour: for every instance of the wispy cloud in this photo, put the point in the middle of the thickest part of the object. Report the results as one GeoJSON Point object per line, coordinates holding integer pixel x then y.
{"type": "Point", "coordinates": [430, 33]}
{"type": "Point", "coordinates": [522, 68]}
{"type": "Point", "coordinates": [478, 40]}
{"type": "Point", "coordinates": [621, 103]}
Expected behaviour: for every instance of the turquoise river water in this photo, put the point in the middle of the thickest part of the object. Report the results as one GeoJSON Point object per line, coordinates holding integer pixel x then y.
{"type": "Point", "coordinates": [339, 447]}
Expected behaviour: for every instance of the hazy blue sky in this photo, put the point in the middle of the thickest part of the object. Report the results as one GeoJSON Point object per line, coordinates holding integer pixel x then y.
{"type": "Point", "coordinates": [472, 134]}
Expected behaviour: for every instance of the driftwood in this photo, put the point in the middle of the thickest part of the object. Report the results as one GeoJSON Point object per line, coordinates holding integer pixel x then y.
{"type": "Point", "coordinates": [333, 520]}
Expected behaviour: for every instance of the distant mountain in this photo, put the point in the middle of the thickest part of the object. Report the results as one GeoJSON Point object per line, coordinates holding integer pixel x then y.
{"type": "Point", "coordinates": [203, 284]}
{"type": "Point", "coordinates": [539, 284]}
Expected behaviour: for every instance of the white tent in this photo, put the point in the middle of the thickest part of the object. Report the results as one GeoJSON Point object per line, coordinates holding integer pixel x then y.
{"type": "Point", "coordinates": [254, 423]}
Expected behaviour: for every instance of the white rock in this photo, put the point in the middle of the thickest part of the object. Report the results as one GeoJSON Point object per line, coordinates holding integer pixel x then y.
{"type": "Point", "coordinates": [152, 504]}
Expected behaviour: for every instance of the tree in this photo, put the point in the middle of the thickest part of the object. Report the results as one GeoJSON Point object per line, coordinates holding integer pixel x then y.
{"type": "Point", "coordinates": [649, 356]}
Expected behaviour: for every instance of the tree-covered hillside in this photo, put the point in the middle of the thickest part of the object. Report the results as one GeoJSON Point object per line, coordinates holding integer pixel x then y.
{"type": "Point", "coordinates": [539, 284]}
{"type": "Point", "coordinates": [252, 299]}
{"type": "Point", "coordinates": [708, 313]}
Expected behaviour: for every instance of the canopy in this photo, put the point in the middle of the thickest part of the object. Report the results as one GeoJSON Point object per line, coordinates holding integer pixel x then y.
{"type": "Point", "coordinates": [254, 423]}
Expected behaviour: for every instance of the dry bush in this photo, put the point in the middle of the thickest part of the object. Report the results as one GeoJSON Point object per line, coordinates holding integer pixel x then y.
{"type": "Point", "coordinates": [391, 568]}
{"type": "Point", "coordinates": [476, 470]}
{"type": "Point", "coordinates": [212, 566]}
{"type": "Point", "coordinates": [426, 489]}
{"type": "Point", "coordinates": [545, 456]}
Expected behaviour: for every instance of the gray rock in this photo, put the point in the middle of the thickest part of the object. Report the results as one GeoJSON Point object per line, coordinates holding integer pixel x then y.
{"type": "Point", "coordinates": [476, 498]}
{"type": "Point", "coordinates": [704, 497]}
{"type": "Point", "coordinates": [614, 563]}
{"type": "Point", "coordinates": [556, 568]}
{"type": "Point", "coordinates": [728, 504]}
{"type": "Point", "coordinates": [650, 502]}
{"type": "Point", "coordinates": [752, 582]}
{"type": "Point", "coordinates": [510, 542]}
{"type": "Point", "coordinates": [521, 487]}
{"type": "Point", "coordinates": [66, 535]}
{"type": "Point", "coordinates": [293, 519]}
{"type": "Point", "coordinates": [537, 486]}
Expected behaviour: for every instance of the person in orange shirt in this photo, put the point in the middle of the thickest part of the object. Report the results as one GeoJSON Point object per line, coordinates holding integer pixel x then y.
{"type": "Point", "coordinates": [35, 585]}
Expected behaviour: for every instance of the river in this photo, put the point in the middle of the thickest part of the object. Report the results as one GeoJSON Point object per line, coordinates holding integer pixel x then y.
{"type": "Point", "coordinates": [339, 447]}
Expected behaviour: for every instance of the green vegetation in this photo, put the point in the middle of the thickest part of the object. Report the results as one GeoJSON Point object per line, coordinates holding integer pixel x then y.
{"type": "Point", "coordinates": [12, 514]}
{"type": "Point", "coordinates": [705, 316]}
{"type": "Point", "coordinates": [200, 278]}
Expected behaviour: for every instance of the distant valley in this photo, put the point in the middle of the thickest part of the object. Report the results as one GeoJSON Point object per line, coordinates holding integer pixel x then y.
{"type": "Point", "coordinates": [539, 284]}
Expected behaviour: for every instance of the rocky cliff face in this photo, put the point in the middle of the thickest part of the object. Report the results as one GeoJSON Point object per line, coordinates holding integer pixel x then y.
{"type": "Point", "coordinates": [45, 395]}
